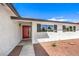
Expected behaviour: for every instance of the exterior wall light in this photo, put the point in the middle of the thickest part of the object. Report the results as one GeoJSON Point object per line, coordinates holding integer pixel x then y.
{"type": "Point", "coordinates": [19, 24]}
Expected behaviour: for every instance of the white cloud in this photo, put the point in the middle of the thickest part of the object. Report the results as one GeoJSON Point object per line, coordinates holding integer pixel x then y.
{"type": "Point", "coordinates": [61, 18]}
{"type": "Point", "coordinates": [58, 19]}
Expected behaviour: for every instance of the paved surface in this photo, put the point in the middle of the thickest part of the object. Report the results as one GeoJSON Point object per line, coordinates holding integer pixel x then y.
{"type": "Point", "coordinates": [27, 49]}
{"type": "Point", "coordinates": [16, 51]}
{"type": "Point", "coordinates": [39, 51]}
{"type": "Point", "coordinates": [62, 48]}
{"type": "Point", "coordinates": [24, 48]}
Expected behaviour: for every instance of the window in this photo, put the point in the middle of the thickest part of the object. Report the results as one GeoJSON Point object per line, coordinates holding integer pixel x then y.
{"type": "Point", "coordinates": [50, 28]}
{"type": "Point", "coordinates": [38, 27]}
{"type": "Point", "coordinates": [69, 28]}
{"type": "Point", "coordinates": [55, 28]}
{"type": "Point", "coordinates": [64, 28]}
{"type": "Point", "coordinates": [46, 28]}
{"type": "Point", "coordinates": [74, 28]}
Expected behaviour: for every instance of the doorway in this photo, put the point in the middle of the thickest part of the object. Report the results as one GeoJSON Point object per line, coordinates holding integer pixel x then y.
{"type": "Point", "coordinates": [26, 32]}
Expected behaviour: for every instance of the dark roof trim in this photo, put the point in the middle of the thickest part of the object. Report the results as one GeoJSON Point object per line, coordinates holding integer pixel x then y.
{"type": "Point", "coordinates": [32, 19]}
{"type": "Point", "coordinates": [13, 9]}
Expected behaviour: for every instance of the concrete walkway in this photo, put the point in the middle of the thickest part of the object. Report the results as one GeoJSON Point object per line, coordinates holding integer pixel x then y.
{"type": "Point", "coordinates": [27, 49]}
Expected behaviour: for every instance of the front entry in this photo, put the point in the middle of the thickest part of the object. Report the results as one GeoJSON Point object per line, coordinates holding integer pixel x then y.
{"type": "Point", "coordinates": [26, 32]}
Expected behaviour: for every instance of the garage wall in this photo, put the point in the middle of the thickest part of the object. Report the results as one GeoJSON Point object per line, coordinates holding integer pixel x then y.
{"type": "Point", "coordinates": [9, 32]}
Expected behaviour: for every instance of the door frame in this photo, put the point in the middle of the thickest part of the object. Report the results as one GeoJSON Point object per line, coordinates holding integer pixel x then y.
{"type": "Point", "coordinates": [30, 30]}
{"type": "Point", "coordinates": [23, 31]}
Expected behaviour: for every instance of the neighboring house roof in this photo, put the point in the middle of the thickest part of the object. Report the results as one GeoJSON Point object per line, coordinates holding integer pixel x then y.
{"type": "Point", "coordinates": [43, 20]}
{"type": "Point", "coordinates": [13, 9]}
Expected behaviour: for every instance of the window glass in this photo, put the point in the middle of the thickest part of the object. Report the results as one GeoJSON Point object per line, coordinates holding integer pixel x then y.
{"type": "Point", "coordinates": [46, 28]}
{"type": "Point", "coordinates": [55, 28]}
{"type": "Point", "coordinates": [38, 27]}
{"type": "Point", "coordinates": [69, 28]}
{"type": "Point", "coordinates": [74, 28]}
{"type": "Point", "coordinates": [43, 28]}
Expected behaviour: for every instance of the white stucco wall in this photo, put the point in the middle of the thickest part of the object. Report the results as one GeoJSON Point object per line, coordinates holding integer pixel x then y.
{"type": "Point", "coordinates": [9, 32]}
{"type": "Point", "coordinates": [53, 36]}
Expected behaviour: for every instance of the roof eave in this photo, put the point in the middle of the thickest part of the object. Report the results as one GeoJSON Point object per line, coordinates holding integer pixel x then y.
{"type": "Point", "coordinates": [10, 5]}
{"type": "Point", "coordinates": [33, 19]}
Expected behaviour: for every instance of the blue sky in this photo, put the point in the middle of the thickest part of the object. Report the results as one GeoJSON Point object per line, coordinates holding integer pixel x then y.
{"type": "Point", "coordinates": [49, 11]}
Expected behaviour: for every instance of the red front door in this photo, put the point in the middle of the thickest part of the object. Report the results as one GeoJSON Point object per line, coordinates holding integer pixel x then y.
{"type": "Point", "coordinates": [26, 32]}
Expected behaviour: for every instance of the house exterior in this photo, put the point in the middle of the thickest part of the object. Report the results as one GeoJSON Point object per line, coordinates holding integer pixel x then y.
{"type": "Point", "coordinates": [14, 28]}
{"type": "Point", "coordinates": [9, 33]}
{"type": "Point", "coordinates": [57, 33]}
